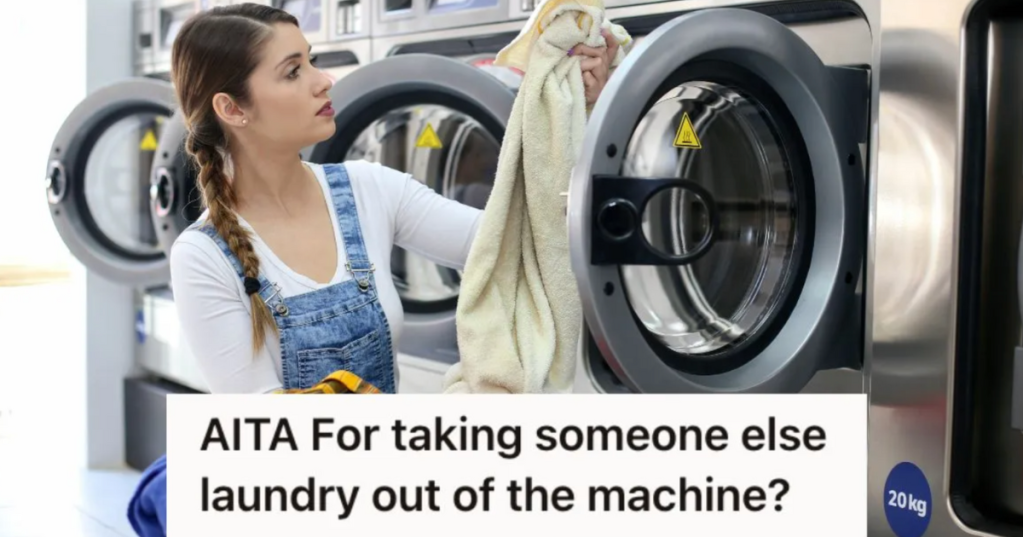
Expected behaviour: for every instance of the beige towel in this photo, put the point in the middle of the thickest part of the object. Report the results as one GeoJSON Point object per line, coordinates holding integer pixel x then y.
{"type": "Point", "coordinates": [519, 314]}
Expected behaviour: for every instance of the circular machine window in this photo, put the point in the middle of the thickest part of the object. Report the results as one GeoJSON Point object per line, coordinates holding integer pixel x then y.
{"type": "Point", "coordinates": [450, 152]}
{"type": "Point", "coordinates": [715, 313]}
{"type": "Point", "coordinates": [116, 184]}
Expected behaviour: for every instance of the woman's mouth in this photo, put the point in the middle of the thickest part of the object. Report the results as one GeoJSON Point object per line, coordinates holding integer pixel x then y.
{"type": "Point", "coordinates": [327, 110]}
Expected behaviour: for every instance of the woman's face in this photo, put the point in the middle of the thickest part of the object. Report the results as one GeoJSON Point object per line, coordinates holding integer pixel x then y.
{"type": "Point", "coordinates": [290, 106]}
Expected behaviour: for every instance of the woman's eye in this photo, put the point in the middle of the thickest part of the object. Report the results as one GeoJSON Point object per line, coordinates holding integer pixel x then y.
{"type": "Point", "coordinates": [312, 59]}
{"type": "Point", "coordinates": [294, 72]}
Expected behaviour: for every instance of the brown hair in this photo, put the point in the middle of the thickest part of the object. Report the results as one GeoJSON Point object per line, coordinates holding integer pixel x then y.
{"type": "Point", "coordinates": [216, 51]}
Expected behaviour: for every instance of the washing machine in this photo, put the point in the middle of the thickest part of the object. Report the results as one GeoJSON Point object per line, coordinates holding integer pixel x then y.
{"type": "Point", "coordinates": [970, 439]}
{"type": "Point", "coordinates": [441, 120]}
{"type": "Point", "coordinates": [404, 17]}
{"type": "Point", "coordinates": [476, 44]}
{"type": "Point", "coordinates": [718, 215]}
{"type": "Point", "coordinates": [168, 18]}
{"type": "Point", "coordinates": [464, 163]}
{"type": "Point", "coordinates": [338, 32]}
{"type": "Point", "coordinates": [330, 22]}
{"type": "Point", "coordinates": [838, 37]}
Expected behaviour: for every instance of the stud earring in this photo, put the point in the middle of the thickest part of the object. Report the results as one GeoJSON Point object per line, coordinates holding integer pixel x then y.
{"type": "Point", "coordinates": [245, 122]}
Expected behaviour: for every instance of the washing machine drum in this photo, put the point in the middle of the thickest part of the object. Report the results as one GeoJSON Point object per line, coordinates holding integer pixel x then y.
{"type": "Point", "coordinates": [744, 222]}
{"type": "Point", "coordinates": [452, 153]}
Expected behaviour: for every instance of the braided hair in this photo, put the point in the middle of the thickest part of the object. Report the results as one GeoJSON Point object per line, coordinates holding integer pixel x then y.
{"type": "Point", "coordinates": [216, 52]}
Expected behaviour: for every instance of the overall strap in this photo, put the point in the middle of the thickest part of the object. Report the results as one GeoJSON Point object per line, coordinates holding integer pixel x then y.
{"type": "Point", "coordinates": [267, 291]}
{"type": "Point", "coordinates": [348, 221]}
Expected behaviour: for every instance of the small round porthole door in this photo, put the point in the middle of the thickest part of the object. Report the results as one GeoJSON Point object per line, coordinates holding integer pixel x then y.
{"type": "Point", "coordinates": [97, 181]}
{"type": "Point", "coordinates": [442, 121]}
{"type": "Point", "coordinates": [716, 216]}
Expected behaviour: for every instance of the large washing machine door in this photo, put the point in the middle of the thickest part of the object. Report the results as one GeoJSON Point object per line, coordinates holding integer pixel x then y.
{"type": "Point", "coordinates": [716, 215]}
{"type": "Point", "coordinates": [442, 121]}
{"type": "Point", "coordinates": [97, 180]}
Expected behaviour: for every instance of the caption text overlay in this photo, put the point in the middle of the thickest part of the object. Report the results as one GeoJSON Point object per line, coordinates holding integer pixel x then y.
{"type": "Point", "coordinates": [501, 465]}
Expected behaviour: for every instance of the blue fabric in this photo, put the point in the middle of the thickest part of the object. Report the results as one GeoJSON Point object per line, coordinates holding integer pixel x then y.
{"type": "Point", "coordinates": [147, 510]}
{"type": "Point", "coordinates": [339, 327]}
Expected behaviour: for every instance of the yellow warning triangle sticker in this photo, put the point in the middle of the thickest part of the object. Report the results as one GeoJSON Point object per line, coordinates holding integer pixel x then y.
{"type": "Point", "coordinates": [428, 138]}
{"type": "Point", "coordinates": [686, 136]}
{"type": "Point", "coordinates": [148, 142]}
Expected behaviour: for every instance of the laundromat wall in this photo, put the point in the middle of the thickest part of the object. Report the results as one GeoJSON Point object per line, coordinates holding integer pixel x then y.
{"type": "Point", "coordinates": [110, 308]}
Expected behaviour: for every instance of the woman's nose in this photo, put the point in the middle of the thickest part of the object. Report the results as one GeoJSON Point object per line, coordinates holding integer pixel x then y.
{"type": "Point", "coordinates": [328, 79]}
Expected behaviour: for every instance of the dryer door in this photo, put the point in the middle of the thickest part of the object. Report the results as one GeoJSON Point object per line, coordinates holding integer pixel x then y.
{"type": "Point", "coordinates": [442, 121]}
{"type": "Point", "coordinates": [716, 215]}
{"type": "Point", "coordinates": [97, 180]}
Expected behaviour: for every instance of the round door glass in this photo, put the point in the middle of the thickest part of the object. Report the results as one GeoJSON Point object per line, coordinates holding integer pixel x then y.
{"type": "Point", "coordinates": [737, 288]}
{"type": "Point", "coordinates": [450, 152]}
{"type": "Point", "coordinates": [116, 184]}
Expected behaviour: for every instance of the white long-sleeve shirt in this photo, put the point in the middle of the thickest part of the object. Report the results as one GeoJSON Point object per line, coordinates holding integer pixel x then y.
{"type": "Point", "coordinates": [215, 313]}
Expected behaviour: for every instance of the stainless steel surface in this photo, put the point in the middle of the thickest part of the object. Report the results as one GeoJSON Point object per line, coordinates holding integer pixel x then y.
{"type": "Point", "coordinates": [999, 447]}
{"type": "Point", "coordinates": [361, 49]}
{"type": "Point", "coordinates": [477, 46]}
{"type": "Point", "coordinates": [913, 251]}
{"type": "Point", "coordinates": [396, 17]}
{"type": "Point", "coordinates": [143, 17]}
{"type": "Point", "coordinates": [161, 348]}
{"type": "Point", "coordinates": [348, 19]}
{"type": "Point", "coordinates": [313, 16]}
{"type": "Point", "coordinates": [385, 45]}
{"type": "Point", "coordinates": [985, 448]}
{"type": "Point", "coordinates": [168, 17]}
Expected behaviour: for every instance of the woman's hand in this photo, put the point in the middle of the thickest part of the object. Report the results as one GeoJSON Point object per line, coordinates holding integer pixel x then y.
{"type": "Point", "coordinates": [596, 65]}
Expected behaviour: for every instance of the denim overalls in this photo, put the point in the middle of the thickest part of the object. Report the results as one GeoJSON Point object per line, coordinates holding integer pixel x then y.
{"type": "Point", "coordinates": [342, 326]}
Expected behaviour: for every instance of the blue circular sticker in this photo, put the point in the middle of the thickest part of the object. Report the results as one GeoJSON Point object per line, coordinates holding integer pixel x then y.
{"type": "Point", "coordinates": [907, 500]}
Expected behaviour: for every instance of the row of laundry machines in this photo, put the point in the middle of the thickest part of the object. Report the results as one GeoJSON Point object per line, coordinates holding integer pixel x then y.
{"type": "Point", "coordinates": [805, 196]}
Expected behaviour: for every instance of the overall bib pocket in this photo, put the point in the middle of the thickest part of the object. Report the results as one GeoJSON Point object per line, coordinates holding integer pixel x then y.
{"type": "Point", "coordinates": [360, 356]}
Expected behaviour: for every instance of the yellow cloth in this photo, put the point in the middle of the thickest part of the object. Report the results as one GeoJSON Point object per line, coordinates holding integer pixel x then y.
{"type": "Point", "coordinates": [519, 316]}
{"type": "Point", "coordinates": [337, 382]}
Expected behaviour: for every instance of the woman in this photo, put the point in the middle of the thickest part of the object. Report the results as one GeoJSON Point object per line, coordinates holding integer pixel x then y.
{"type": "Point", "coordinates": [285, 278]}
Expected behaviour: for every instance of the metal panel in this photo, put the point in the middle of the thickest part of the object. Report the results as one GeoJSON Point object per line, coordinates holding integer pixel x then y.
{"type": "Point", "coordinates": [161, 347]}
{"type": "Point", "coordinates": [349, 19]}
{"type": "Point", "coordinates": [144, 15]}
{"type": "Point", "coordinates": [168, 17]}
{"type": "Point", "coordinates": [469, 39]}
{"type": "Point", "coordinates": [397, 17]}
{"type": "Point", "coordinates": [914, 253]}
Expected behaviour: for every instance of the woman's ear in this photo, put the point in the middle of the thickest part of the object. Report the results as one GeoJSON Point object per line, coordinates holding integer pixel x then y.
{"type": "Point", "coordinates": [229, 112]}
